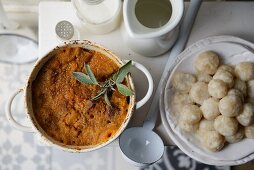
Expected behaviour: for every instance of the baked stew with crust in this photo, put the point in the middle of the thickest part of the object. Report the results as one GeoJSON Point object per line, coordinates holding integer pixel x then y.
{"type": "Point", "coordinates": [62, 105]}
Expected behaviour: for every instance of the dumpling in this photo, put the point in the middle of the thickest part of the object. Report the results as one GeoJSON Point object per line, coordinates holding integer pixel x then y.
{"type": "Point", "coordinates": [247, 116]}
{"type": "Point", "coordinates": [188, 127]}
{"type": "Point", "coordinates": [199, 92]}
{"type": "Point", "coordinates": [212, 140]}
{"type": "Point", "coordinates": [245, 71]}
{"type": "Point", "coordinates": [225, 76]}
{"type": "Point", "coordinates": [241, 85]}
{"type": "Point", "coordinates": [250, 87]}
{"type": "Point", "coordinates": [249, 131]}
{"type": "Point", "coordinates": [210, 108]}
{"type": "Point", "coordinates": [204, 77]}
{"type": "Point", "coordinates": [227, 68]}
{"type": "Point", "coordinates": [227, 126]}
{"type": "Point", "coordinates": [207, 62]}
{"type": "Point", "coordinates": [206, 125]}
{"type": "Point", "coordinates": [230, 106]}
{"type": "Point", "coordinates": [191, 114]}
{"type": "Point", "coordinates": [183, 82]}
{"type": "Point", "coordinates": [179, 100]}
{"type": "Point", "coordinates": [236, 137]}
{"type": "Point", "coordinates": [217, 88]}
{"type": "Point", "coordinates": [236, 93]}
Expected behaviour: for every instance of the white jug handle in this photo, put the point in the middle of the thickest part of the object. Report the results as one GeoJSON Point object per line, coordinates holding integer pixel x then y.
{"type": "Point", "coordinates": [150, 83]}
{"type": "Point", "coordinates": [9, 116]}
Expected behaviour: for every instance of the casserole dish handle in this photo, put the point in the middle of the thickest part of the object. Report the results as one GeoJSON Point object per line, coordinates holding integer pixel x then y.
{"type": "Point", "coordinates": [21, 127]}
{"type": "Point", "coordinates": [9, 116]}
{"type": "Point", "coordinates": [150, 84]}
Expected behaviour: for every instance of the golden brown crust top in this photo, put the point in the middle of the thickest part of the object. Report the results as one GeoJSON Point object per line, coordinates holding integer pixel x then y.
{"type": "Point", "coordinates": [62, 105]}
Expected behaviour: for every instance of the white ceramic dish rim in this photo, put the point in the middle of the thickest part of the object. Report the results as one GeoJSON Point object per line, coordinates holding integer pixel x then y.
{"type": "Point", "coordinates": [35, 126]}
{"type": "Point", "coordinates": [236, 54]}
{"type": "Point", "coordinates": [182, 144]}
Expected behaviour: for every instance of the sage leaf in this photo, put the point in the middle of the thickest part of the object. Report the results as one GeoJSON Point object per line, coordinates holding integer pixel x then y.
{"type": "Point", "coordinates": [123, 71]}
{"type": "Point", "coordinates": [82, 78]}
{"type": "Point", "coordinates": [107, 99]}
{"type": "Point", "coordinates": [124, 90]}
{"type": "Point", "coordinates": [90, 74]}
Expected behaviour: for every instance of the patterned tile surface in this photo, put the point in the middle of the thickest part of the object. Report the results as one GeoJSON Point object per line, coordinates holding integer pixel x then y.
{"type": "Point", "coordinates": [19, 150]}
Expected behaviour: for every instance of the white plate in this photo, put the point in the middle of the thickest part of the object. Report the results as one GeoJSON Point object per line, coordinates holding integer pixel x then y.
{"type": "Point", "coordinates": [231, 54]}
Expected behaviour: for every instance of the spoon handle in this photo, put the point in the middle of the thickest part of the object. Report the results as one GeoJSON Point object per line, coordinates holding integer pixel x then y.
{"type": "Point", "coordinates": [184, 33]}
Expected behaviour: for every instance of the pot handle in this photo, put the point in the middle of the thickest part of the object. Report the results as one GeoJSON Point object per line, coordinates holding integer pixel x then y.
{"type": "Point", "coordinates": [150, 83]}
{"type": "Point", "coordinates": [9, 116]}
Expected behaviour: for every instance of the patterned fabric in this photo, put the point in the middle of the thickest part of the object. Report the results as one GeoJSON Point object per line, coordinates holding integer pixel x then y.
{"type": "Point", "coordinates": [175, 159]}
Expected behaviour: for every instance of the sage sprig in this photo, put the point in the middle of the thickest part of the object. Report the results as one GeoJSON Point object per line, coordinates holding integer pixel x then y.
{"type": "Point", "coordinates": [109, 85]}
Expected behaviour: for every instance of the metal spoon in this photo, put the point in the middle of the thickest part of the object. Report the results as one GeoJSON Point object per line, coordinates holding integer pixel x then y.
{"type": "Point", "coordinates": [140, 145]}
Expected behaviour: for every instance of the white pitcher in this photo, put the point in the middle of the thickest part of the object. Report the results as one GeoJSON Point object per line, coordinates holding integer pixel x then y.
{"type": "Point", "coordinates": [151, 40]}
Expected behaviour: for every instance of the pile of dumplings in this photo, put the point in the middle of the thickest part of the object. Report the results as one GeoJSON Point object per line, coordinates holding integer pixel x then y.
{"type": "Point", "coordinates": [216, 104]}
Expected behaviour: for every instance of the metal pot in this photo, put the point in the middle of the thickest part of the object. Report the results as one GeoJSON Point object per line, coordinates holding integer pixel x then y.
{"type": "Point", "coordinates": [28, 98]}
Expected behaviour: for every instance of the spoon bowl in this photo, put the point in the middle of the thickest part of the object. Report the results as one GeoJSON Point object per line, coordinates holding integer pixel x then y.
{"type": "Point", "coordinates": [141, 146]}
